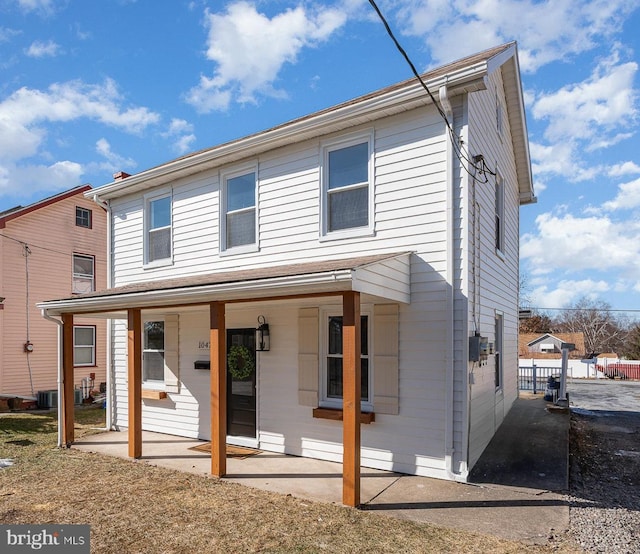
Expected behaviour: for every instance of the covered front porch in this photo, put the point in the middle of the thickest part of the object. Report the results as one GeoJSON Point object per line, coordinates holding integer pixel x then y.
{"type": "Point", "coordinates": [384, 276]}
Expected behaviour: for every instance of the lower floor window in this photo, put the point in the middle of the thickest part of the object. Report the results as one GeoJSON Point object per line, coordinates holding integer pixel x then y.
{"type": "Point", "coordinates": [153, 351]}
{"type": "Point", "coordinates": [333, 379]}
{"type": "Point", "coordinates": [84, 345]}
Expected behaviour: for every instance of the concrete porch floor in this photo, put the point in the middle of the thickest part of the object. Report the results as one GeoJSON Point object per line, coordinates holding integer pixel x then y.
{"type": "Point", "coordinates": [495, 504]}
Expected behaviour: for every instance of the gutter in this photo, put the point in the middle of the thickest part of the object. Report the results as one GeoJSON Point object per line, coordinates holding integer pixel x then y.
{"type": "Point", "coordinates": [108, 365]}
{"type": "Point", "coordinates": [60, 381]}
{"type": "Point", "coordinates": [449, 364]}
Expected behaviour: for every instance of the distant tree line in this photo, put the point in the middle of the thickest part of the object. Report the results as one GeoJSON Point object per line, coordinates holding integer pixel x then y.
{"type": "Point", "coordinates": [604, 330]}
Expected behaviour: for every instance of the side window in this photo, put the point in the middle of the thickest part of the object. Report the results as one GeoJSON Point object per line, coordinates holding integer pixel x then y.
{"type": "Point", "coordinates": [498, 350]}
{"type": "Point", "coordinates": [83, 217]}
{"type": "Point", "coordinates": [84, 345]}
{"type": "Point", "coordinates": [499, 229]}
{"type": "Point", "coordinates": [83, 274]}
{"type": "Point", "coordinates": [158, 228]}
{"type": "Point", "coordinates": [239, 207]}
{"type": "Point", "coordinates": [347, 187]}
{"type": "Point", "coordinates": [153, 352]}
{"type": "Point", "coordinates": [332, 370]}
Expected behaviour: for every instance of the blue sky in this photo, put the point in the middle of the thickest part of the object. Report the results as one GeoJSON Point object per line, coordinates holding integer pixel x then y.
{"type": "Point", "coordinates": [91, 88]}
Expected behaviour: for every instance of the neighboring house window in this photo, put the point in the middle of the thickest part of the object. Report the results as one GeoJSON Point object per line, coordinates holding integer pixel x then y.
{"type": "Point", "coordinates": [347, 187]}
{"type": "Point", "coordinates": [498, 350]}
{"type": "Point", "coordinates": [332, 378]}
{"type": "Point", "coordinates": [84, 345]}
{"type": "Point", "coordinates": [239, 205]}
{"type": "Point", "coordinates": [158, 225]}
{"type": "Point", "coordinates": [153, 352]}
{"type": "Point", "coordinates": [83, 217]}
{"type": "Point", "coordinates": [83, 273]}
{"type": "Point", "coordinates": [499, 230]}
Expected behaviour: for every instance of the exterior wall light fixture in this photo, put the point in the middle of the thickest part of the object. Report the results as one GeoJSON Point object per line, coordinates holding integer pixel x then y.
{"type": "Point", "coordinates": [263, 340]}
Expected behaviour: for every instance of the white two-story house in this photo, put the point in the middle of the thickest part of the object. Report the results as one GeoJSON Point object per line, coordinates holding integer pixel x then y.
{"type": "Point", "coordinates": [343, 286]}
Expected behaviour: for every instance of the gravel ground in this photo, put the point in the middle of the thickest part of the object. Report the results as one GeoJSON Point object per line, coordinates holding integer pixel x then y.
{"type": "Point", "coordinates": [605, 470]}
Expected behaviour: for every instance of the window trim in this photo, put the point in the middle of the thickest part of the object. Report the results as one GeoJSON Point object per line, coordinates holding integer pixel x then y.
{"type": "Point", "coordinates": [74, 274]}
{"type": "Point", "coordinates": [89, 218]}
{"type": "Point", "coordinates": [499, 214]}
{"type": "Point", "coordinates": [498, 351]}
{"type": "Point", "coordinates": [323, 399]}
{"type": "Point", "coordinates": [148, 199]}
{"type": "Point", "coordinates": [339, 144]}
{"type": "Point", "coordinates": [93, 346]}
{"type": "Point", "coordinates": [153, 384]}
{"type": "Point", "coordinates": [225, 176]}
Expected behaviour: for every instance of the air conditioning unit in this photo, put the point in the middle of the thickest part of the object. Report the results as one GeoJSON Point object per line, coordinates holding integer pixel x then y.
{"type": "Point", "coordinates": [49, 398]}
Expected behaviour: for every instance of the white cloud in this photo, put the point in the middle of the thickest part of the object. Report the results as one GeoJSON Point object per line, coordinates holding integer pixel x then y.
{"type": "Point", "coordinates": [7, 34]}
{"type": "Point", "coordinates": [114, 161]}
{"type": "Point", "coordinates": [24, 113]}
{"type": "Point", "coordinates": [181, 132]}
{"type": "Point", "coordinates": [546, 30]}
{"type": "Point", "coordinates": [249, 50]}
{"type": "Point", "coordinates": [603, 102]}
{"type": "Point", "coordinates": [44, 7]}
{"type": "Point", "coordinates": [24, 119]}
{"type": "Point", "coordinates": [39, 49]}
{"type": "Point", "coordinates": [628, 197]}
{"type": "Point", "coordinates": [626, 168]}
{"type": "Point", "coordinates": [25, 180]}
{"type": "Point", "coordinates": [567, 243]}
{"type": "Point", "coordinates": [566, 292]}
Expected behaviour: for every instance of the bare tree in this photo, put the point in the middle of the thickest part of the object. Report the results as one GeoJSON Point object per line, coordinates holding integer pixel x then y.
{"type": "Point", "coordinates": [602, 331]}
{"type": "Point", "coordinates": [537, 323]}
{"type": "Point", "coordinates": [631, 348]}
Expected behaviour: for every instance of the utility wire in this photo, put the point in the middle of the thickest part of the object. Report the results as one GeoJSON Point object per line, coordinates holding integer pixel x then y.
{"type": "Point", "coordinates": [460, 154]}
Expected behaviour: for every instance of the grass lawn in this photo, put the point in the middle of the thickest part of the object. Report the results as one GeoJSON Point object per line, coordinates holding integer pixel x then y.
{"type": "Point", "coordinates": [134, 507]}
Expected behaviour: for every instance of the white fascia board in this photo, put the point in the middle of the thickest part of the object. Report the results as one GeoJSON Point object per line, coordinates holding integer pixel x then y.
{"type": "Point", "coordinates": [374, 106]}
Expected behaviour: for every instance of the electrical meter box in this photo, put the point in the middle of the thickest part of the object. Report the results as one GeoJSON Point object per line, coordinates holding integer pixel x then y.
{"type": "Point", "coordinates": [478, 348]}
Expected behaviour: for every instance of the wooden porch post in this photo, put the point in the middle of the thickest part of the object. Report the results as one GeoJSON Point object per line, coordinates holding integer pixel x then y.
{"type": "Point", "coordinates": [218, 358]}
{"type": "Point", "coordinates": [134, 354]}
{"type": "Point", "coordinates": [351, 387]}
{"type": "Point", "coordinates": [68, 399]}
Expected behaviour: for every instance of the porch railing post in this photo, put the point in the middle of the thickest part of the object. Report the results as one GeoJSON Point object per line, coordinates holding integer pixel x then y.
{"type": "Point", "coordinates": [134, 360]}
{"type": "Point", "coordinates": [535, 378]}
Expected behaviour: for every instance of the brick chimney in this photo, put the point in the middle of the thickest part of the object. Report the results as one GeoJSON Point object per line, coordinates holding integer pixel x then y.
{"type": "Point", "coordinates": [120, 175]}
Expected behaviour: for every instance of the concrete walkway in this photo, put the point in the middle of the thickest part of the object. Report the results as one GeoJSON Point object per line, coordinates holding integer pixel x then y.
{"type": "Point", "coordinates": [516, 489]}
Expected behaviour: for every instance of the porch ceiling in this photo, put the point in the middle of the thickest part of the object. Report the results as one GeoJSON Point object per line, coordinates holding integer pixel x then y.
{"type": "Point", "coordinates": [382, 275]}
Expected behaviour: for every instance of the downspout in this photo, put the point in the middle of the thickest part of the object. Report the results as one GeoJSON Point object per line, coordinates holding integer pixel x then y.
{"type": "Point", "coordinates": [108, 365]}
{"type": "Point", "coordinates": [450, 321]}
{"type": "Point", "coordinates": [60, 382]}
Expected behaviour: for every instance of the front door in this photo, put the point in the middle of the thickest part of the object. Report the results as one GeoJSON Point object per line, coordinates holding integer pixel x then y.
{"type": "Point", "coordinates": [241, 382]}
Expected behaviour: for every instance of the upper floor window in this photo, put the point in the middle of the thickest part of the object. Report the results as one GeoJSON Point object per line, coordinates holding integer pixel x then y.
{"type": "Point", "coordinates": [158, 228]}
{"type": "Point", "coordinates": [83, 217]}
{"type": "Point", "coordinates": [239, 210]}
{"type": "Point", "coordinates": [83, 274]}
{"type": "Point", "coordinates": [499, 228]}
{"type": "Point", "coordinates": [346, 187]}
{"type": "Point", "coordinates": [332, 369]}
{"type": "Point", "coordinates": [84, 345]}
